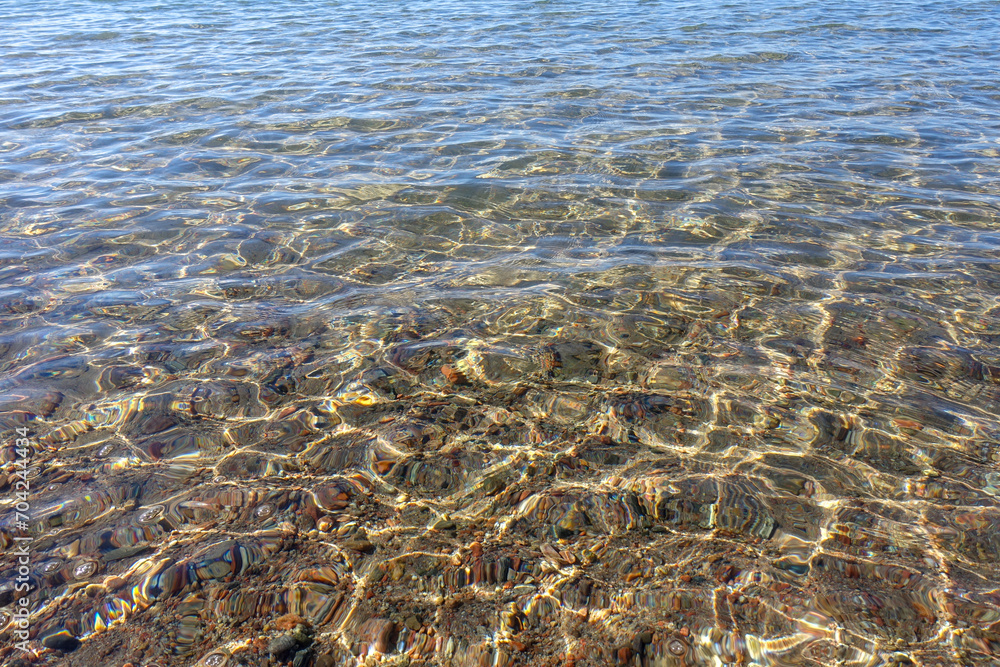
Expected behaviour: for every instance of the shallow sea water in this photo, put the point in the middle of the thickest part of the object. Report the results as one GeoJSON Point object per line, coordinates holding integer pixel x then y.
{"type": "Point", "coordinates": [653, 334]}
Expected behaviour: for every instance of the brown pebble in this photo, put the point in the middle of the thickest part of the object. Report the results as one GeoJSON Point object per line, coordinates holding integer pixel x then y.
{"type": "Point", "coordinates": [289, 621]}
{"type": "Point", "coordinates": [324, 660]}
{"type": "Point", "coordinates": [686, 578]}
{"type": "Point", "coordinates": [386, 636]}
{"type": "Point", "coordinates": [726, 573]}
{"type": "Point", "coordinates": [114, 583]}
{"type": "Point", "coordinates": [360, 545]}
{"type": "Point", "coordinates": [550, 552]}
{"type": "Point", "coordinates": [685, 631]}
{"type": "Point", "coordinates": [477, 549]}
{"type": "Point", "coordinates": [454, 375]}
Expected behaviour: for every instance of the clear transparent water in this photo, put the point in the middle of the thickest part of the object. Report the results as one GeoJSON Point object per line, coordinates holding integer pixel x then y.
{"type": "Point", "coordinates": [503, 333]}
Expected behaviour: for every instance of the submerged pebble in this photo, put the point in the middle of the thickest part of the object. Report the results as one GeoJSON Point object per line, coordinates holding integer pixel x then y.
{"type": "Point", "coordinates": [60, 639]}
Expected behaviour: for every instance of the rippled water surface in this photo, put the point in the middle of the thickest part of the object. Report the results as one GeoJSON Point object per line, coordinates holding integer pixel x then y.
{"type": "Point", "coordinates": [501, 333]}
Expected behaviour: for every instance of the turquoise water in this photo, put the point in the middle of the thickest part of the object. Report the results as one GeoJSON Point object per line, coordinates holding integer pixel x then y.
{"type": "Point", "coordinates": [501, 333]}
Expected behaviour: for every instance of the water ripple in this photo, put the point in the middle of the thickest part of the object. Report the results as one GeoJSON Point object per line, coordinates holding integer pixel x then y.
{"type": "Point", "coordinates": [451, 334]}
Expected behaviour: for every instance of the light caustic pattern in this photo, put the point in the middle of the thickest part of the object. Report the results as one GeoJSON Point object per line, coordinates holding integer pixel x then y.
{"type": "Point", "coordinates": [657, 337]}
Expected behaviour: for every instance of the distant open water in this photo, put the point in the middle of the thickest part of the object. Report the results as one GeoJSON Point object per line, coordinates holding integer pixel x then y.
{"type": "Point", "coordinates": [501, 333]}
